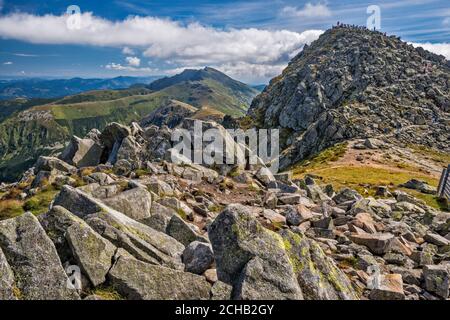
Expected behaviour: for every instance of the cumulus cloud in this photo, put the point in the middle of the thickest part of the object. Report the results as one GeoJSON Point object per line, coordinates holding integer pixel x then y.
{"type": "Point", "coordinates": [128, 51]}
{"type": "Point", "coordinates": [133, 61]}
{"type": "Point", "coordinates": [251, 72]}
{"type": "Point", "coordinates": [437, 48]}
{"type": "Point", "coordinates": [8, 63]}
{"type": "Point", "coordinates": [165, 39]}
{"type": "Point", "coordinates": [310, 10]}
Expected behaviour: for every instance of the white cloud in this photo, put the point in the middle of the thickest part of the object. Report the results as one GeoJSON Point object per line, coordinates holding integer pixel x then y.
{"type": "Point", "coordinates": [8, 63]}
{"type": "Point", "coordinates": [446, 21]}
{"type": "Point", "coordinates": [310, 10]}
{"type": "Point", "coordinates": [164, 39]}
{"type": "Point", "coordinates": [133, 61]}
{"type": "Point", "coordinates": [128, 51]}
{"type": "Point", "coordinates": [437, 48]}
{"type": "Point", "coordinates": [120, 67]}
{"type": "Point", "coordinates": [252, 73]}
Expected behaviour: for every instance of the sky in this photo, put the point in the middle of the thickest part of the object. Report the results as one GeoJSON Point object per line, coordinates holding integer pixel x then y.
{"type": "Point", "coordinates": [250, 40]}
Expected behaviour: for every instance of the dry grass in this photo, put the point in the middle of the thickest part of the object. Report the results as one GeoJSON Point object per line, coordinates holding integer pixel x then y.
{"type": "Point", "coordinates": [10, 208]}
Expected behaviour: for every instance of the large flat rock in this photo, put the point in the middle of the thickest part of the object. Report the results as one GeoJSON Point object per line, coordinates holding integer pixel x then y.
{"type": "Point", "coordinates": [32, 256]}
{"type": "Point", "coordinates": [138, 280]}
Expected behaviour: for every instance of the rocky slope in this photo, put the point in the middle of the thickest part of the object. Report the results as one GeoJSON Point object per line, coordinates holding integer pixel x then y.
{"type": "Point", "coordinates": [140, 227]}
{"type": "Point", "coordinates": [355, 83]}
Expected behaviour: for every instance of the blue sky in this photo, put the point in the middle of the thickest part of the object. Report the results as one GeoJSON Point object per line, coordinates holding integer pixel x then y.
{"type": "Point", "coordinates": [250, 40]}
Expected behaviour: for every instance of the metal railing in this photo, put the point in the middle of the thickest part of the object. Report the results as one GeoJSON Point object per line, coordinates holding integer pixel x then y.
{"type": "Point", "coordinates": [444, 184]}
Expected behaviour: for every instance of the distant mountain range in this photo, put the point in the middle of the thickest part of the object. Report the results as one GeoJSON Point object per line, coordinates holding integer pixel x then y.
{"type": "Point", "coordinates": [30, 128]}
{"type": "Point", "coordinates": [44, 88]}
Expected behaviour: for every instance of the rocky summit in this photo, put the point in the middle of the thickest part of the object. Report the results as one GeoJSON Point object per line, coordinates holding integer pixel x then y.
{"type": "Point", "coordinates": [113, 217]}
{"type": "Point", "coordinates": [355, 83]}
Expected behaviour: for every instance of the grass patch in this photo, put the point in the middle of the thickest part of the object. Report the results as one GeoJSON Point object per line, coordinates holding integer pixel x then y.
{"type": "Point", "coordinates": [10, 208]}
{"type": "Point", "coordinates": [326, 156]}
{"type": "Point", "coordinates": [38, 204]}
{"type": "Point", "coordinates": [142, 172]}
{"type": "Point", "coordinates": [365, 178]}
{"type": "Point", "coordinates": [430, 199]}
{"type": "Point", "coordinates": [435, 155]}
{"type": "Point", "coordinates": [107, 293]}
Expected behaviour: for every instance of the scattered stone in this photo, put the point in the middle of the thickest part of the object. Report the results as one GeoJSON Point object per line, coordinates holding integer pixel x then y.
{"type": "Point", "coordinates": [346, 195]}
{"type": "Point", "coordinates": [211, 275]}
{"type": "Point", "coordinates": [198, 257]}
{"type": "Point", "coordinates": [436, 239]}
{"type": "Point", "coordinates": [421, 186]}
{"type": "Point", "coordinates": [274, 217]}
{"type": "Point", "coordinates": [377, 243]}
{"type": "Point", "coordinates": [389, 288]}
{"type": "Point", "coordinates": [437, 279]}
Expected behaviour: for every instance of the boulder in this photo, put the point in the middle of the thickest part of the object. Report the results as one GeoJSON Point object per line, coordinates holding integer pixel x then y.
{"type": "Point", "coordinates": [8, 290]}
{"type": "Point", "coordinates": [136, 203]}
{"type": "Point", "coordinates": [316, 193]}
{"type": "Point", "coordinates": [160, 217]}
{"type": "Point", "coordinates": [436, 239]}
{"type": "Point", "coordinates": [317, 274]}
{"type": "Point", "coordinates": [163, 248]}
{"type": "Point", "coordinates": [92, 252]}
{"type": "Point", "coordinates": [198, 257]}
{"type": "Point", "coordinates": [265, 175]}
{"type": "Point", "coordinates": [390, 287]}
{"type": "Point", "coordinates": [55, 223]}
{"type": "Point", "coordinates": [377, 243]}
{"type": "Point", "coordinates": [437, 279]}
{"type": "Point", "coordinates": [34, 261]}
{"type": "Point", "coordinates": [251, 258]}
{"type": "Point", "coordinates": [101, 178]}
{"type": "Point", "coordinates": [182, 231]}
{"type": "Point", "coordinates": [289, 198]}
{"type": "Point", "coordinates": [345, 195]}
{"type": "Point", "coordinates": [137, 280]}
{"type": "Point", "coordinates": [421, 186]}
{"type": "Point", "coordinates": [82, 152]}
{"type": "Point", "coordinates": [50, 163]}
{"type": "Point", "coordinates": [274, 217]}
{"type": "Point", "coordinates": [130, 150]}
{"type": "Point", "coordinates": [365, 221]}
{"type": "Point", "coordinates": [160, 187]}
{"type": "Point", "coordinates": [372, 206]}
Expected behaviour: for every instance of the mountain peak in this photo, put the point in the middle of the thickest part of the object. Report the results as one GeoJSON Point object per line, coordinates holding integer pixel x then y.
{"type": "Point", "coordinates": [357, 83]}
